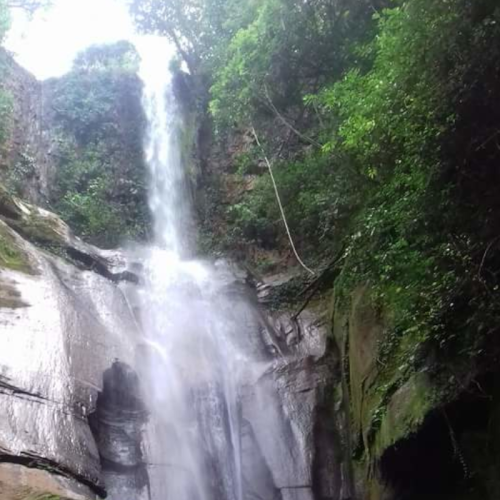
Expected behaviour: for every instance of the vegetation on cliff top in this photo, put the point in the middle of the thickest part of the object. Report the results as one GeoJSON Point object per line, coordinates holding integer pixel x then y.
{"type": "Point", "coordinates": [100, 184]}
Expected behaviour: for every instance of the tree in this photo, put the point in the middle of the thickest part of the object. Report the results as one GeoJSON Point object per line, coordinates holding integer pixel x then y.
{"type": "Point", "coordinates": [31, 6]}
{"type": "Point", "coordinates": [289, 48]}
{"type": "Point", "coordinates": [182, 23]}
{"type": "Point", "coordinates": [198, 28]}
{"type": "Point", "coordinates": [259, 55]}
{"type": "Point", "coordinates": [108, 57]}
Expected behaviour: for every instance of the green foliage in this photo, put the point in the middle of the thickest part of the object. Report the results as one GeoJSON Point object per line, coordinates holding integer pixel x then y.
{"type": "Point", "coordinates": [5, 96]}
{"type": "Point", "coordinates": [420, 236]}
{"type": "Point", "coordinates": [393, 120]}
{"type": "Point", "coordinates": [84, 103]}
{"type": "Point", "coordinates": [84, 184]}
{"type": "Point", "coordinates": [268, 62]}
{"type": "Point", "coordinates": [92, 198]}
{"type": "Point", "coordinates": [240, 83]}
{"type": "Point", "coordinates": [260, 53]}
{"type": "Point", "coordinates": [90, 211]}
{"type": "Point", "coordinates": [100, 187]}
{"type": "Point", "coordinates": [119, 57]}
{"type": "Point", "coordinates": [406, 179]}
{"type": "Point", "coordinates": [198, 28]}
{"type": "Point", "coordinates": [390, 112]}
{"type": "Point", "coordinates": [313, 197]}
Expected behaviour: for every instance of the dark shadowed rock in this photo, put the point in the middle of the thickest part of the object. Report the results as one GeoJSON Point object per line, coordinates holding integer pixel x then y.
{"type": "Point", "coordinates": [117, 425]}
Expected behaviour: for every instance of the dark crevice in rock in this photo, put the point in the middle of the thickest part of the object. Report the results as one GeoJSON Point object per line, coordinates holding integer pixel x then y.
{"type": "Point", "coordinates": [423, 465]}
{"type": "Point", "coordinates": [7, 210]}
{"type": "Point", "coordinates": [454, 454]}
{"type": "Point", "coordinates": [94, 263]}
{"type": "Point", "coordinates": [36, 462]}
{"type": "Point", "coordinates": [17, 392]}
{"type": "Point", "coordinates": [110, 466]}
{"type": "Point", "coordinates": [12, 389]}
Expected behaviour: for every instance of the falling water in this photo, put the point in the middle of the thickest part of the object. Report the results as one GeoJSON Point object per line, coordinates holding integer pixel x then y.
{"type": "Point", "coordinates": [189, 360]}
{"type": "Point", "coordinates": [168, 193]}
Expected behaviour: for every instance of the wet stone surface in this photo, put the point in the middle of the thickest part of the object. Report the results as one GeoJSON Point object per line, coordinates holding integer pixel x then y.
{"type": "Point", "coordinates": [53, 352]}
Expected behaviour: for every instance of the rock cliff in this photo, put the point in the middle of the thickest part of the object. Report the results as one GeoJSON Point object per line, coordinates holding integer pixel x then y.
{"type": "Point", "coordinates": [72, 416]}
{"type": "Point", "coordinates": [64, 322]}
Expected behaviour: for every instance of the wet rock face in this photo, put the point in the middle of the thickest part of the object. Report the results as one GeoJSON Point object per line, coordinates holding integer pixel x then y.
{"type": "Point", "coordinates": [68, 405]}
{"type": "Point", "coordinates": [61, 327]}
{"type": "Point", "coordinates": [291, 444]}
{"type": "Point", "coordinates": [289, 430]}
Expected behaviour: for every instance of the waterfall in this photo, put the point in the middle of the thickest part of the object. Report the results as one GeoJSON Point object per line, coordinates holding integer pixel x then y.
{"type": "Point", "coordinates": [189, 359]}
{"type": "Point", "coordinates": [168, 198]}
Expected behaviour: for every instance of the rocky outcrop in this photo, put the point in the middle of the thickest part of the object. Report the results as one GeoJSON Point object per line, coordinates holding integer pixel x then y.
{"type": "Point", "coordinates": [71, 414]}
{"type": "Point", "coordinates": [26, 158]}
{"type": "Point", "coordinates": [21, 482]}
{"type": "Point", "coordinates": [292, 423]}
{"type": "Point", "coordinates": [418, 419]}
{"type": "Point", "coordinates": [62, 326]}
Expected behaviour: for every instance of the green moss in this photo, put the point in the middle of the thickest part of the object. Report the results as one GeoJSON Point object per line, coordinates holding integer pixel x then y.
{"type": "Point", "coordinates": [32, 223]}
{"type": "Point", "coordinates": [404, 413]}
{"type": "Point", "coordinates": [390, 391]}
{"type": "Point", "coordinates": [11, 255]}
{"type": "Point", "coordinates": [8, 206]}
{"type": "Point", "coordinates": [365, 332]}
{"type": "Point", "coordinates": [39, 229]}
{"type": "Point", "coordinates": [376, 490]}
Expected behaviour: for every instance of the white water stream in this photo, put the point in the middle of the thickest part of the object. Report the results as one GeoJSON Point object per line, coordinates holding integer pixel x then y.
{"type": "Point", "coordinates": [190, 362]}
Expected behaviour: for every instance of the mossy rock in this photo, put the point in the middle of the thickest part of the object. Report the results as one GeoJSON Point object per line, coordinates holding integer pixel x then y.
{"type": "Point", "coordinates": [405, 412]}
{"type": "Point", "coordinates": [12, 255]}
{"type": "Point", "coordinates": [40, 226]}
{"type": "Point", "coordinates": [32, 223]}
{"type": "Point", "coordinates": [9, 206]}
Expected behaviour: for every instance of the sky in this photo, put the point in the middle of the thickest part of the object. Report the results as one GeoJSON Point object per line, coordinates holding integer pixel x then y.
{"type": "Point", "coordinates": [47, 44]}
